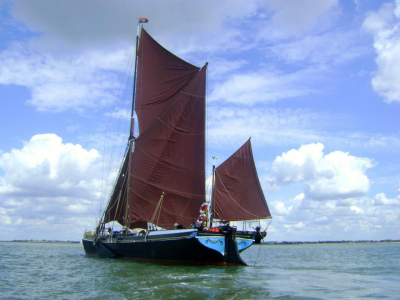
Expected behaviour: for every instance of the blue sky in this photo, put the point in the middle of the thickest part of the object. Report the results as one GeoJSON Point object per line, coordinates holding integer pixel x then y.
{"type": "Point", "coordinates": [314, 83]}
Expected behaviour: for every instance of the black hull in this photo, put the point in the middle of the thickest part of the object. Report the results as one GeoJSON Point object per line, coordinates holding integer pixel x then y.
{"type": "Point", "coordinates": [188, 250]}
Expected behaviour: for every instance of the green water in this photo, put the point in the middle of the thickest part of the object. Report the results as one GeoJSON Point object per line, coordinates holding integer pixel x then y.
{"type": "Point", "coordinates": [341, 271]}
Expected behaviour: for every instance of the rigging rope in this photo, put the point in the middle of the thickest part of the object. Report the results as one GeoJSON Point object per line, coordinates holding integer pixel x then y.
{"type": "Point", "coordinates": [104, 185]}
{"type": "Point", "coordinates": [259, 248]}
{"type": "Point", "coordinates": [260, 243]}
{"type": "Point", "coordinates": [164, 209]}
{"type": "Point", "coordinates": [158, 207]}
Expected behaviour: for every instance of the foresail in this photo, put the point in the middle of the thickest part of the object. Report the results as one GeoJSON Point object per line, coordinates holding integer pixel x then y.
{"type": "Point", "coordinates": [169, 154]}
{"type": "Point", "coordinates": [237, 194]}
{"type": "Point", "coordinates": [117, 205]}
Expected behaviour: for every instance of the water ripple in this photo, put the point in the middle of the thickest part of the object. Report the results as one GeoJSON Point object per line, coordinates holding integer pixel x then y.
{"type": "Point", "coordinates": [61, 271]}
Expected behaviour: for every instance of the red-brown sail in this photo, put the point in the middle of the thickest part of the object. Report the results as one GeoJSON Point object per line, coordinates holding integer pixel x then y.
{"type": "Point", "coordinates": [169, 154]}
{"type": "Point", "coordinates": [160, 78]}
{"type": "Point", "coordinates": [117, 204]}
{"type": "Point", "coordinates": [237, 193]}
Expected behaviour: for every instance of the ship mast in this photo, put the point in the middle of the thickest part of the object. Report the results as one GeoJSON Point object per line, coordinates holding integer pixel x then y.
{"type": "Point", "coordinates": [212, 191]}
{"type": "Point", "coordinates": [132, 128]}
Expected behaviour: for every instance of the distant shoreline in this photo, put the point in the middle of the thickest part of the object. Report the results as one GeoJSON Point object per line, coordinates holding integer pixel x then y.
{"type": "Point", "coordinates": [263, 243]}
{"type": "Point", "coordinates": [41, 241]}
{"type": "Point", "coordinates": [329, 242]}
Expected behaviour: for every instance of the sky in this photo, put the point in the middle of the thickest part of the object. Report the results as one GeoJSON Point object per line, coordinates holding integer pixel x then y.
{"type": "Point", "coordinates": [316, 84]}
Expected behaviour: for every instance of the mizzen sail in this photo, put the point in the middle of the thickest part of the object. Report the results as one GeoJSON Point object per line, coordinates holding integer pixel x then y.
{"type": "Point", "coordinates": [237, 193]}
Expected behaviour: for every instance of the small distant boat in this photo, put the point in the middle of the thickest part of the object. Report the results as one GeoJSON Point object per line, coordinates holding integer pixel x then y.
{"type": "Point", "coordinates": [161, 186]}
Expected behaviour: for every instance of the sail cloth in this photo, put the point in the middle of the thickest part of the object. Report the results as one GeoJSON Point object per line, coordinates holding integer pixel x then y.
{"type": "Point", "coordinates": [237, 193]}
{"type": "Point", "coordinates": [117, 205]}
{"type": "Point", "coordinates": [169, 153]}
{"type": "Point", "coordinates": [161, 77]}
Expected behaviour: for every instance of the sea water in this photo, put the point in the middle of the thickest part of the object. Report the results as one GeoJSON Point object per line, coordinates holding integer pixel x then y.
{"type": "Point", "coordinates": [329, 271]}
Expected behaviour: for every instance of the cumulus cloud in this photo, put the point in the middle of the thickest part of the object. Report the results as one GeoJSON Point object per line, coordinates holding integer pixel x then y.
{"type": "Point", "coordinates": [334, 202]}
{"type": "Point", "coordinates": [49, 182]}
{"type": "Point", "coordinates": [299, 218]}
{"type": "Point", "coordinates": [384, 25]}
{"type": "Point", "coordinates": [65, 168]}
{"type": "Point", "coordinates": [331, 176]}
{"type": "Point", "coordinates": [381, 199]}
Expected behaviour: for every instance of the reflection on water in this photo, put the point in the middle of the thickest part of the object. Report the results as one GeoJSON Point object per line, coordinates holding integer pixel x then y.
{"type": "Point", "coordinates": [62, 271]}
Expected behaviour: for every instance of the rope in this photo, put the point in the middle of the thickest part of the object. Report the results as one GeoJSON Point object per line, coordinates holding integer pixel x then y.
{"type": "Point", "coordinates": [268, 224]}
{"type": "Point", "coordinates": [104, 185]}
{"type": "Point", "coordinates": [259, 248]}
{"type": "Point", "coordinates": [157, 207]}
{"type": "Point", "coordinates": [165, 210]}
{"type": "Point", "coordinates": [159, 213]}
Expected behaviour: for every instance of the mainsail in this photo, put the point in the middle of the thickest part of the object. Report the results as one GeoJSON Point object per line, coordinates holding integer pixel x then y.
{"type": "Point", "coordinates": [237, 193]}
{"type": "Point", "coordinates": [169, 153]}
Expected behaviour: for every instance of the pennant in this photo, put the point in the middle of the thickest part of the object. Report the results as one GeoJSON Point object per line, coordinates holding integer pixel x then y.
{"type": "Point", "coordinates": [143, 20]}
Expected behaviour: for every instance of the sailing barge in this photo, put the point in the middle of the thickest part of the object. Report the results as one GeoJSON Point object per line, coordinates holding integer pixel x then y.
{"type": "Point", "coordinates": [162, 178]}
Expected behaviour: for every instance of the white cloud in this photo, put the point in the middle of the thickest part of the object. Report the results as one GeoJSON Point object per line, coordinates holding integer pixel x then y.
{"type": "Point", "coordinates": [331, 47]}
{"type": "Point", "coordinates": [118, 113]}
{"type": "Point", "coordinates": [300, 218]}
{"type": "Point", "coordinates": [384, 25]}
{"type": "Point", "coordinates": [221, 67]}
{"type": "Point", "coordinates": [4, 218]}
{"type": "Point", "coordinates": [381, 199]}
{"type": "Point", "coordinates": [49, 182]}
{"type": "Point", "coordinates": [297, 225]}
{"type": "Point", "coordinates": [265, 125]}
{"type": "Point", "coordinates": [279, 208]}
{"type": "Point", "coordinates": [356, 209]}
{"type": "Point", "coordinates": [202, 26]}
{"type": "Point", "coordinates": [262, 87]}
{"type": "Point", "coordinates": [287, 127]}
{"type": "Point", "coordinates": [194, 26]}
{"type": "Point", "coordinates": [45, 159]}
{"type": "Point", "coordinates": [294, 18]}
{"type": "Point", "coordinates": [59, 84]}
{"type": "Point", "coordinates": [336, 175]}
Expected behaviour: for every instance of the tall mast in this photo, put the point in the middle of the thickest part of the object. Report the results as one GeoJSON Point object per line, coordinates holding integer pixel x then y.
{"type": "Point", "coordinates": [212, 191]}
{"type": "Point", "coordinates": [132, 128]}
